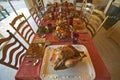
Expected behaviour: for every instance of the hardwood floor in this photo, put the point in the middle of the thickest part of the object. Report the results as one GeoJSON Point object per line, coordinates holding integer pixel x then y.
{"type": "Point", "coordinates": [109, 52]}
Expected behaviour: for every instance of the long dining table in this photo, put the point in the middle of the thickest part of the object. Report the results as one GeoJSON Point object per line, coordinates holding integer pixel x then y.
{"type": "Point", "coordinates": [30, 72]}
{"type": "Point", "coordinates": [33, 72]}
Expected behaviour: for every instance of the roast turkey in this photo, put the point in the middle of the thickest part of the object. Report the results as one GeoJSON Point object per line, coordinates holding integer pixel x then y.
{"type": "Point", "coordinates": [65, 56]}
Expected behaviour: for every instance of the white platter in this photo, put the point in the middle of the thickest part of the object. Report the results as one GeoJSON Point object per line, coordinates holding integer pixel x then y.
{"type": "Point", "coordinates": [83, 70]}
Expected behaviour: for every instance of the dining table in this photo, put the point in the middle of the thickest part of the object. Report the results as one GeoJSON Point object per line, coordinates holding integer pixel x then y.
{"type": "Point", "coordinates": [28, 71]}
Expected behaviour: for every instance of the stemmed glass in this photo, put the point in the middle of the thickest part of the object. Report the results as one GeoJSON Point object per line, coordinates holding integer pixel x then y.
{"type": "Point", "coordinates": [74, 35]}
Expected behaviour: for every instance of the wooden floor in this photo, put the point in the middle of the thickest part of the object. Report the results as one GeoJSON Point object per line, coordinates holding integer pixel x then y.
{"type": "Point", "coordinates": [109, 52]}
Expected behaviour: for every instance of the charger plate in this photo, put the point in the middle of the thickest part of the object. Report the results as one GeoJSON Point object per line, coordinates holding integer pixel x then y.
{"type": "Point", "coordinates": [83, 70]}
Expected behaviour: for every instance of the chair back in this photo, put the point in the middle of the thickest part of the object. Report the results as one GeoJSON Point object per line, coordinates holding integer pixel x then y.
{"type": "Point", "coordinates": [13, 52]}
{"type": "Point", "coordinates": [35, 15]}
{"type": "Point", "coordinates": [95, 22]}
{"type": "Point", "coordinates": [40, 4]}
{"type": "Point", "coordinates": [23, 28]}
{"type": "Point", "coordinates": [88, 9]}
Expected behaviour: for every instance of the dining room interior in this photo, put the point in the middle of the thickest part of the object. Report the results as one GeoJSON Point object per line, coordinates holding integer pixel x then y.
{"type": "Point", "coordinates": [59, 39]}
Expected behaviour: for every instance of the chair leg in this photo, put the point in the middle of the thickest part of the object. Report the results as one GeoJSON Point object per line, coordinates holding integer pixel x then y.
{"type": "Point", "coordinates": [2, 14]}
{"type": "Point", "coordinates": [6, 12]}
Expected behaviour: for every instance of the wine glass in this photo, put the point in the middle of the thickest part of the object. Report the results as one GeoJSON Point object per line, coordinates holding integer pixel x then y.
{"type": "Point", "coordinates": [75, 37]}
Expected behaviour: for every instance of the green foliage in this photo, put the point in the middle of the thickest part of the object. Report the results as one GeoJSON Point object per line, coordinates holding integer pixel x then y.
{"type": "Point", "coordinates": [43, 29]}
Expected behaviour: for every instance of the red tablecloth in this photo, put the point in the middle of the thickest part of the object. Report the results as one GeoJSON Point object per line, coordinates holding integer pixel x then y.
{"type": "Point", "coordinates": [33, 72]}
{"type": "Point", "coordinates": [29, 72]}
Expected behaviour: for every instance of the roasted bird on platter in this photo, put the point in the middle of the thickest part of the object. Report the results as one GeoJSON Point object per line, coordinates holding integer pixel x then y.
{"type": "Point", "coordinates": [65, 57]}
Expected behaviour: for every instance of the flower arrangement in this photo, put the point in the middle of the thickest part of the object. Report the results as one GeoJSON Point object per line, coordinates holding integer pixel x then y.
{"type": "Point", "coordinates": [61, 32]}
{"type": "Point", "coordinates": [43, 29]}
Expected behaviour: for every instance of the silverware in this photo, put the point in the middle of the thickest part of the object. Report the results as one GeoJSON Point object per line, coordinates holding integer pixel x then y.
{"type": "Point", "coordinates": [36, 62]}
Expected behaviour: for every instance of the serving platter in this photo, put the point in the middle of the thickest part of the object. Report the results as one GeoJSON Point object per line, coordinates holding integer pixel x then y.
{"type": "Point", "coordinates": [83, 70]}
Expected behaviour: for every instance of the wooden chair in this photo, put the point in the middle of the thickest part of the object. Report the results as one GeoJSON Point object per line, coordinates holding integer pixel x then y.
{"type": "Point", "coordinates": [23, 28]}
{"type": "Point", "coordinates": [95, 22]}
{"type": "Point", "coordinates": [40, 3]}
{"type": "Point", "coordinates": [35, 15]}
{"type": "Point", "coordinates": [40, 6]}
{"type": "Point", "coordinates": [87, 9]}
{"type": "Point", "coordinates": [13, 52]}
{"type": "Point", "coordinates": [85, 6]}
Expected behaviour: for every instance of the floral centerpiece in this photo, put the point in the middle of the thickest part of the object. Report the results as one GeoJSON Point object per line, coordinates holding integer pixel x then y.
{"type": "Point", "coordinates": [61, 32]}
